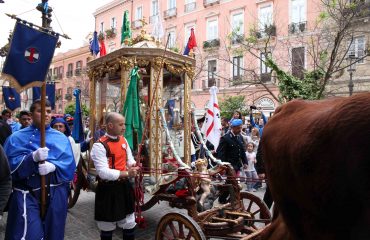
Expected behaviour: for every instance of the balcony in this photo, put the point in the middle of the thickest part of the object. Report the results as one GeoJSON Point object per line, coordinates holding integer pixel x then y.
{"type": "Point", "coordinates": [78, 72]}
{"type": "Point", "coordinates": [237, 39]}
{"type": "Point", "coordinates": [265, 77]}
{"type": "Point", "coordinates": [111, 33]}
{"type": "Point", "coordinates": [266, 31]}
{"type": "Point", "coordinates": [295, 28]}
{"type": "Point", "coordinates": [190, 7]}
{"type": "Point", "coordinates": [208, 3]}
{"type": "Point", "coordinates": [210, 83]}
{"type": "Point", "coordinates": [237, 80]}
{"type": "Point", "coordinates": [169, 13]}
{"type": "Point", "coordinates": [214, 43]}
{"type": "Point", "coordinates": [69, 73]}
{"type": "Point", "coordinates": [137, 24]}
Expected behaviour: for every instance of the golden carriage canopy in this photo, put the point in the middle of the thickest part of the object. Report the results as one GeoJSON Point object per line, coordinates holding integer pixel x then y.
{"type": "Point", "coordinates": [164, 75]}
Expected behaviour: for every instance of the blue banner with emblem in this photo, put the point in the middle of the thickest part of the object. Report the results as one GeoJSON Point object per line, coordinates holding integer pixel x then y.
{"type": "Point", "coordinates": [29, 57]}
{"type": "Point", "coordinates": [50, 93]}
{"type": "Point", "coordinates": [12, 99]}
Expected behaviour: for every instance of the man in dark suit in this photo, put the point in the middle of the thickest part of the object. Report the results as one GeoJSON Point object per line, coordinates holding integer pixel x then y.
{"type": "Point", "coordinates": [231, 147]}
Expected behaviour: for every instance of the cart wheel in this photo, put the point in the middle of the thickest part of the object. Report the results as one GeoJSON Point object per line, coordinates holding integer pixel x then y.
{"type": "Point", "coordinates": [177, 226]}
{"type": "Point", "coordinates": [75, 189]}
{"type": "Point", "coordinates": [76, 185]}
{"type": "Point", "coordinates": [260, 213]}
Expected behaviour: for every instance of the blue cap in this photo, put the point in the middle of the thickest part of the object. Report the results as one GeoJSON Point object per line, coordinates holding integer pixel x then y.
{"type": "Point", "coordinates": [236, 122]}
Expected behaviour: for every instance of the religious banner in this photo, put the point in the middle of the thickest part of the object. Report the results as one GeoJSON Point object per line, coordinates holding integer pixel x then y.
{"type": "Point", "coordinates": [12, 99]}
{"type": "Point", "coordinates": [50, 93]}
{"type": "Point", "coordinates": [29, 57]}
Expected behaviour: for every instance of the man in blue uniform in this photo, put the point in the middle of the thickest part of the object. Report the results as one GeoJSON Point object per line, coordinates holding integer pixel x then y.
{"type": "Point", "coordinates": [24, 154]}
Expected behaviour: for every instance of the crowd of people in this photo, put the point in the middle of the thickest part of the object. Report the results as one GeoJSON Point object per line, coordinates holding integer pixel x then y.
{"type": "Point", "coordinates": [239, 145]}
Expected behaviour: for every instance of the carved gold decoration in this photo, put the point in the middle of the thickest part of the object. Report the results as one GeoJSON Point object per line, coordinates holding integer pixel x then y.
{"type": "Point", "coordinates": [187, 119]}
{"type": "Point", "coordinates": [142, 62]}
{"type": "Point", "coordinates": [126, 63]}
{"type": "Point", "coordinates": [190, 71]}
{"type": "Point", "coordinates": [176, 70]}
{"type": "Point", "coordinates": [157, 63]}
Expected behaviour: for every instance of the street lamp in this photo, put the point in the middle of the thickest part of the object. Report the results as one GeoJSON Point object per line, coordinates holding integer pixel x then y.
{"type": "Point", "coordinates": [352, 68]}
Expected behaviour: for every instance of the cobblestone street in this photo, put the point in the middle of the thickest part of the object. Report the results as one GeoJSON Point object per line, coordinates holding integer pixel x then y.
{"type": "Point", "coordinates": [81, 224]}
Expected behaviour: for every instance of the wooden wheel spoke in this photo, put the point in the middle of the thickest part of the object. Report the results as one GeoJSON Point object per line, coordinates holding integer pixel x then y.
{"type": "Point", "coordinates": [173, 229]}
{"type": "Point", "coordinates": [257, 209]}
{"type": "Point", "coordinates": [249, 206]}
{"type": "Point", "coordinates": [178, 226]}
{"type": "Point", "coordinates": [255, 212]}
{"type": "Point", "coordinates": [181, 230]}
{"type": "Point", "coordinates": [188, 237]}
{"type": "Point", "coordinates": [166, 235]}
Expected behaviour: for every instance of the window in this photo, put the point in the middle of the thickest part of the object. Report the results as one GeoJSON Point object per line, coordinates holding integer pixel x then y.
{"type": "Point", "coordinates": [190, 5]}
{"type": "Point", "coordinates": [70, 70]}
{"type": "Point", "coordinates": [265, 17]}
{"type": "Point", "coordinates": [172, 40]}
{"type": "Point", "coordinates": [60, 72]}
{"type": "Point", "coordinates": [154, 7]}
{"type": "Point", "coordinates": [264, 68]}
{"type": "Point", "coordinates": [171, 4]}
{"type": "Point", "coordinates": [139, 13]}
{"type": "Point", "coordinates": [78, 68]}
{"type": "Point", "coordinates": [237, 23]}
{"type": "Point", "coordinates": [357, 48]}
{"type": "Point", "coordinates": [238, 63]}
{"type": "Point", "coordinates": [212, 29]}
{"type": "Point", "coordinates": [78, 64]}
{"type": "Point", "coordinates": [265, 72]}
{"type": "Point", "coordinates": [298, 11]}
{"type": "Point", "coordinates": [102, 27]}
{"type": "Point", "coordinates": [298, 62]}
{"type": "Point", "coordinates": [113, 22]}
{"type": "Point", "coordinates": [55, 71]}
{"type": "Point", "coordinates": [237, 27]}
{"type": "Point", "coordinates": [212, 68]}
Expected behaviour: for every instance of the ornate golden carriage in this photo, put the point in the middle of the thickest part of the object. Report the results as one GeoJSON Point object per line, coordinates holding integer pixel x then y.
{"type": "Point", "coordinates": [162, 72]}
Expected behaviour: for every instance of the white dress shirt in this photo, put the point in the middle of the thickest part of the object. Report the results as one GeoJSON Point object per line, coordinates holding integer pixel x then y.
{"type": "Point", "coordinates": [99, 156]}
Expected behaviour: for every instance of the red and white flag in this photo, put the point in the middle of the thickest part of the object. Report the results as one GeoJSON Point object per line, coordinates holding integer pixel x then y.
{"type": "Point", "coordinates": [212, 125]}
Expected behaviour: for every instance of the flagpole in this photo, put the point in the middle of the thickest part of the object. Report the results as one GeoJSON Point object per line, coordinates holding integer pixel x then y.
{"type": "Point", "coordinates": [45, 24]}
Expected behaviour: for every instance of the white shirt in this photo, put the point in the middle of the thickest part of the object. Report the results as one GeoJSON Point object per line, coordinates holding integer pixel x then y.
{"type": "Point", "coordinates": [99, 156]}
{"type": "Point", "coordinates": [251, 159]}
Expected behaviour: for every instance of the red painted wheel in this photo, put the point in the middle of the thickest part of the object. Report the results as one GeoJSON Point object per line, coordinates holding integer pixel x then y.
{"type": "Point", "coordinates": [178, 226]}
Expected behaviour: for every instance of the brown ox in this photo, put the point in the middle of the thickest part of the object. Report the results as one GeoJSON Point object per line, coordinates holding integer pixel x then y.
{"type": "Point", "coordinates": [317, 159]}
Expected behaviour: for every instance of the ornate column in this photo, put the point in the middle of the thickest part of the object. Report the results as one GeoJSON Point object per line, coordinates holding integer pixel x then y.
{"type": "Point", "coordinates": [189, 74]}
{"type": "Point", "coordinates": [126, 65]}
{"type": "Point", "coordinates": [92, 76]}
{"type": "Point", "coordinates": [92, 73]}
{"type": "Point", "coordinates": [155, 131]}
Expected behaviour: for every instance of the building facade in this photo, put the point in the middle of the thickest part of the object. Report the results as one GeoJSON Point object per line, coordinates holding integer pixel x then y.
{"type": "Point", "coordinates": [68, 71]}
